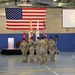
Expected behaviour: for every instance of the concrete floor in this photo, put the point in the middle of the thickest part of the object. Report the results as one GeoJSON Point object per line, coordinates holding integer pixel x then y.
{"type": "Point", "coordinates": [12, 65]}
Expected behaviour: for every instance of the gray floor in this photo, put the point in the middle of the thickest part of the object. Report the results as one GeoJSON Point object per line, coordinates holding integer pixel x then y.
{"type": "Point", "coordinates": [12, 65]}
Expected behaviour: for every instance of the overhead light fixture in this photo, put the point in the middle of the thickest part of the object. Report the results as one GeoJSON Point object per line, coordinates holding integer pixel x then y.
{"type": "Point", "coordinates": [7, 3]}
{"type": "Point", "coordinates": [54, 0]}
{"type": "Point", "coordinates": [60, 4]}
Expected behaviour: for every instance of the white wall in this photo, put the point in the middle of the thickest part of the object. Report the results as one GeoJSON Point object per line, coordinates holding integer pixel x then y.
{"type": "Point", "coordinates": [53, 23]}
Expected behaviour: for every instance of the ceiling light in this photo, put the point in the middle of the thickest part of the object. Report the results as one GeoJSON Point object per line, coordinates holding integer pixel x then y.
{"type": "Point", "coordinates": [54, 0]}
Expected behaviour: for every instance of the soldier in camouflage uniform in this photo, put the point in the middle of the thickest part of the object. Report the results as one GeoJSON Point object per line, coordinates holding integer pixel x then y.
{"type": "Point", "coordinates": [37, 49]}
{"type": "Point", "coordinates": [31, 49]}
{"type": "Point", "coordinates": [24, 49]}
{"type": "Point", "coordinates": [52, 46]}
{"type": "Point", "coordinates": [43, 49]}
{"type": "Point", "coordinates": [47, 46]}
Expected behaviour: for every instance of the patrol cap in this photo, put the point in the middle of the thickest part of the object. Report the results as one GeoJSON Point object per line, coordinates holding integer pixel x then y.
{"type": "Point", "coordinates": [23, 38]}
{"type": "Point", "coordinates": [51, 38]}
{"type": "Point", "coordinates": [42, 37]}
{"type": "Point", "coordinates": [31, 38]}
{"type": "Point", "coordinates": [38, 37]}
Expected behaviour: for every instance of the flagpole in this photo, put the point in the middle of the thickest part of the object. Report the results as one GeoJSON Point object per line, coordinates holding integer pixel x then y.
{"type": "Point", "coordinates": [37, 29]}
{"type": "Point", "coordinates": [24, 35]}
{"type": "Point", "coordinates": [30, 30]}
{"type": "Point", "coordinates": [45, 33]}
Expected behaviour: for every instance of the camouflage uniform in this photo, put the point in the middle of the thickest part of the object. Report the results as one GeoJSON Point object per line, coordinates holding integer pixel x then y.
{"type": "Point", "coordinates": [37, 50]}
{"type": "Point", "coordinates": [43, 49]}
{"type": "Point", "coordinates": [24, 49]}
{"type": "Point", "coordinates": [31, 50]}
{"type": "Point", "coordinates": [52, 46]}
{"type": "Point", "coordinates": [47, 47]}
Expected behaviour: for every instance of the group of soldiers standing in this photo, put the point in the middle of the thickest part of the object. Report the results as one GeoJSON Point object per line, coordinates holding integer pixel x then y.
{"type": "Point", "coordinates": [42, 46]}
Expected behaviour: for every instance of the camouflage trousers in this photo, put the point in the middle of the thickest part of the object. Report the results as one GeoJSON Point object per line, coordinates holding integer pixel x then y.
{"type": "Point", "coordinates": [31, 52]}
{"type": "Point", "coordinates": [52, 57]}
{"type": "Point", "coordinates": [38, 55]}
{"type": "Point", "coordinates": [43, 56]}
{"type": "Point", "coordinates": [24, 56]}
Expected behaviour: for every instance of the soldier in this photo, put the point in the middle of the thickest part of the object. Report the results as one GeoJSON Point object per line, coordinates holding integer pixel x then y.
{"type": "Point", "coordinates": [31, 49]}
{"type": "Point", "coordinates": [45, 38]}
{"type": "Point", "coordinates": [24, 49]}
{"type": "Point", "coordinates": [52, 46]}
{"type": "Point", "coordinates": [37, 49]}
{"type": "Point", "coordinates": [43, 49]}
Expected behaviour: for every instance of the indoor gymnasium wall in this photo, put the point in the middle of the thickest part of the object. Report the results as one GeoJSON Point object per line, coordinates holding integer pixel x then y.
{"type": "Point", "coordinates": [66, 36]}
{"type": "Point", "coordinates": [53, 23]}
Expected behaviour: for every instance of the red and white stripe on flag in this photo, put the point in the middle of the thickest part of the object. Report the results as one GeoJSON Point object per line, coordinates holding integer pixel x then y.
{"type": "Point", "coordinates": [19, 18]}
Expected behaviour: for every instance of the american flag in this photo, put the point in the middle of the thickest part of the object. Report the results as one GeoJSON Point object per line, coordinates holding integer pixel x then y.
{"type": "Point", "coordinates": [19, 18]}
